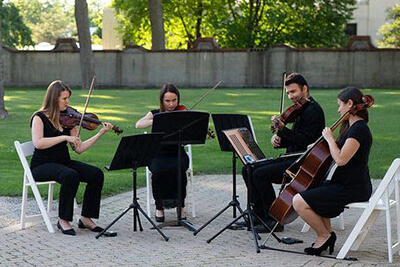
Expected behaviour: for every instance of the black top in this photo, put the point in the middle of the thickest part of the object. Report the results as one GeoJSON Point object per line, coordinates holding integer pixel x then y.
{"type": "Point", "coordinates": [350, 183]}
{"type": "Point", "coordinates": [305, 130]}
{"type": "Point", "coordinates": [356, 171]}
{"type": "Point", "coordinates": [56, 154]}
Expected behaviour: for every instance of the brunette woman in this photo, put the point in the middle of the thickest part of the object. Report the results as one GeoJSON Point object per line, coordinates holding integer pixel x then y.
{"type": "Point", "coordinates": [350, 182]}
{"type": "Point", "coordinates": [51, 160]}
{"type": "Point", "coordinates": [164, 166]}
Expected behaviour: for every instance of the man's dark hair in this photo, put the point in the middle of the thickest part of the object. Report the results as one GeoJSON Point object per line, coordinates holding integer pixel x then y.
{"type": "Point", "coordinates": [296, 78]}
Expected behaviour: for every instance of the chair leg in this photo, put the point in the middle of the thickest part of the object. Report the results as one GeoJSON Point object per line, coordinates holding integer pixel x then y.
{"type": "Point", "coordinates": [50, 198]}
{"type": "Point", "coordinates": [42, 208]}
{"type": "Point", "coordinates": [388, 227]}
{"type": "Point", "coordinates": [23, 205]}
{"type": "Point", "coordinates": [190, 174]}
{"type": "Point", "coordinates": [305, 228]}
{"type": "Point", "coordinates": [341, 221]}
{"type": "Point", "coordinates": [148, 198]}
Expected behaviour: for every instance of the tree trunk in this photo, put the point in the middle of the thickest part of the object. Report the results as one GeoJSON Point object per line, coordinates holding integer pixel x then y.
{"type": "Point", "coordinates": [3, 111]}
{"type": "Point", "coordinates": [157, 25]}
{"type": "Point", "coordinates": [85, 43]}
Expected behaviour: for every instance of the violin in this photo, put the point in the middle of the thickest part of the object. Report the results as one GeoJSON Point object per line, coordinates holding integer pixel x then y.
{"type": "Point", "coordinates": [71, 118]}
{"type": "Point", "coordinates": [316, 161]}
{"type": "Point", "coordinates": [290, 114]}
{"type": "Point", "coordinates": [210, 133]}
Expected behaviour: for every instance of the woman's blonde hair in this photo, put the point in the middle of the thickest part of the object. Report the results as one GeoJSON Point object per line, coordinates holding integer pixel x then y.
{"type": "Point", "coordinates": [51, 105]}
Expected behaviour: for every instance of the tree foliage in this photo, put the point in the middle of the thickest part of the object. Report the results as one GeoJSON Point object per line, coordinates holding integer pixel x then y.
{"type": "Point", "coordinates": [53, 19]}
{"type": "Point", "coordinates": [14, 31]}
{"type": "Point", "coordinates": [241, 24]}
{"type": "Point", "coordinates": [391, 30]}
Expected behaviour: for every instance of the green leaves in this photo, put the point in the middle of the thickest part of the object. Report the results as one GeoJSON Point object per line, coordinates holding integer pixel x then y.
{"type": "Point", "coordinates": [14, 31]}
{"type": "Point", "coordinates": [241, 24]}
{"type": "Point", "coordinates": [391, 30]}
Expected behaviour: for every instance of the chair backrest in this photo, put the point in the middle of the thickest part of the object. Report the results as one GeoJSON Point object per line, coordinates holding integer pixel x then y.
{"type": "Point", "coordinates": [24, 150]}
{"type": "Point", "coordinates": [387, 183]}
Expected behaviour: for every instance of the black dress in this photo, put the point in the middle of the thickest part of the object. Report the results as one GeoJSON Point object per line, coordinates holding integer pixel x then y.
{"type": "Point", "coordinates": [55, 164]}
{"type": "Point", "coordinates": [350, 183]}
{"type": "Point", "coordinates": [164, 169]}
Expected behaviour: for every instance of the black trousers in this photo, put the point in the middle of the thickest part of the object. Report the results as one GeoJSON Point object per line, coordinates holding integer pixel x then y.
{"type": "Point", "coordinates": [259, 184]}
{"type": "Point", "coordinates": [164, 180]}
{"type": "Point", "coordinates": [69, 176]}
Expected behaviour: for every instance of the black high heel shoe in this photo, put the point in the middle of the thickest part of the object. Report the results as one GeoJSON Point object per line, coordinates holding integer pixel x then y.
{"type": "Point", "coordinates": [330, 243]}
{"type": "Point", "coordinates": [66, 232]}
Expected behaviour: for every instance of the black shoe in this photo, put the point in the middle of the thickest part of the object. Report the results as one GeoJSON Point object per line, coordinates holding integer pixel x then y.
{"type": "Point", "coordinates": [262, 229]}
{"type": "Point", "coordinates": [330, 243]}
{"type": "Point", "coordinates": [66, 232]}
{"type": "Point", "coordinates": [96, 229]}
{"type": "Point", "coordinates": [159, 219]}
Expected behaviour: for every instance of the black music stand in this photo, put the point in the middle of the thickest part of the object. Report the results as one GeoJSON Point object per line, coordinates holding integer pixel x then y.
{"type": "Point", "coordinates": [181, 128]}
{"type": "Point", "coordinates": [133, 152]}
{"type": "Point", "coordinates": [224, 122]}
{"type": "Point", "coordinates": [248, 215]}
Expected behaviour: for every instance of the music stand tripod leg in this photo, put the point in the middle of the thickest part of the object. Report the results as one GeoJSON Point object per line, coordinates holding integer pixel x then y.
{"type": "Point", "coordinates": [139, 208]}
{"type": "Point", "coordinates": [136, 207]}
{"type": "Point", "coordinates": [246, 215]}
{"type": "Point", "coordinates": [212, 219]}
{"type": "Point", "coordinates": [233, 203]}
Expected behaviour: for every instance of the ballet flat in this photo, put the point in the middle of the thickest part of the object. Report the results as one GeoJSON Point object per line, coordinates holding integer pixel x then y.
{"type": "Point", "coordinates": [66, 232]}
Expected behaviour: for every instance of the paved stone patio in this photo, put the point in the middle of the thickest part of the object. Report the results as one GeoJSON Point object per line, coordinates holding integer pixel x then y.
{"type": "Point", "coordinates": [35, 246]}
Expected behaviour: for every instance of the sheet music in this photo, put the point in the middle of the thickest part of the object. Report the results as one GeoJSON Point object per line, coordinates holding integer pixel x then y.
{"type": "Point", "coordinates": [245, 146]}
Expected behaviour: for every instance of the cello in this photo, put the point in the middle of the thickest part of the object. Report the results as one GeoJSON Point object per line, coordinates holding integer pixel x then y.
{"type": "Point", "coordinates": [313, 166]}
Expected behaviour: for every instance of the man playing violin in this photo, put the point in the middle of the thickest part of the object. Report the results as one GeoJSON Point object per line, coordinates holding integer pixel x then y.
{"type": "Point", "coordinates": [51, 160]}
{"type": "Point", "coordinates": [305, 130]}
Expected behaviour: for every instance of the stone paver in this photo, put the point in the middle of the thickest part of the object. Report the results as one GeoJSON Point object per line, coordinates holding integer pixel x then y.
{"type": "Point", "coordinates": [35, 246]}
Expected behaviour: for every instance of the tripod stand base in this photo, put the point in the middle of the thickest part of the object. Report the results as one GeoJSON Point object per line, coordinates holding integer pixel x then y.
{"type": "Point", "coordinates": [234, 204]}
{"type": "Point", "coordinates": [247, 215]}
{"type": "Point", "coordinates": [185, 223]}
{"type": "Point", "coordinates": [136, 209]}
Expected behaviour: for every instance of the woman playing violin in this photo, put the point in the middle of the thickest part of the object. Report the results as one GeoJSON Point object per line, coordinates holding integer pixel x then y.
{"type": "Point", "coordinates": [164, 166]}
{"type": "Point", "coordinates": [350, 182]}
{"type": "Point", "coordinates": [51, 159]}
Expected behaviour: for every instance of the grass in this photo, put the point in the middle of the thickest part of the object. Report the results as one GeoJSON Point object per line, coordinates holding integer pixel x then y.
{"type": "Point", "coordinates": [125, 107]}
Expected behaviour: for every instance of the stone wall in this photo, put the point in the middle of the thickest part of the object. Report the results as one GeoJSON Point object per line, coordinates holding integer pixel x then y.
{"type": "Point", "coordinates": [359, 65]}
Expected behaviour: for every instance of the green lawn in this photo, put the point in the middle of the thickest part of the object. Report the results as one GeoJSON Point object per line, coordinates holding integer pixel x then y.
{"type": "Point", "coordinates": [125, 107]}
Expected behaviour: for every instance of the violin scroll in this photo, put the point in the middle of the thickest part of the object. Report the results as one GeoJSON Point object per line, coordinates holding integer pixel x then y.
{"type": "Point", "coordinates": [367, 102]}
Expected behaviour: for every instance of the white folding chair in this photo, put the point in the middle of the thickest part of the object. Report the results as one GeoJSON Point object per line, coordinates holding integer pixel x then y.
{"type": "Point", "coordinates": [189, 173]}
{"type": "Point", "coordinates": [24, 150]}
{"type": "Point", "coordinates": [386, 196]}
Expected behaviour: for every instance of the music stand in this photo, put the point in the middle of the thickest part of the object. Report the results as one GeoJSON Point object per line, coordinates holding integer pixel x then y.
{"type": "Point", "coordinates": [224, 122]}
{"type": "Point", "coordinates": [133, 152]}
{"type": "Point", "coordinates": [181, 128]}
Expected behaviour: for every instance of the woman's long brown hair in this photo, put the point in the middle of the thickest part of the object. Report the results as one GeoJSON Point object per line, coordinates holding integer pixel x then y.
{"type": "Point", "coordinates": [50, 105]}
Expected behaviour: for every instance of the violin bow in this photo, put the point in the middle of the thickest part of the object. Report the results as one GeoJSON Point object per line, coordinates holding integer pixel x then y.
{"type": "Point", "coordinates": [206, 94]}
{"type": "Point", "coordinates": [86, 105]}
{"type": "Point", "coordinates": [283, 92]}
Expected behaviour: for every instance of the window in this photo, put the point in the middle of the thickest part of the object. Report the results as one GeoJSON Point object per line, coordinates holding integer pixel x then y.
{"type": "Point", "coordinates": [351, 29]}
